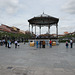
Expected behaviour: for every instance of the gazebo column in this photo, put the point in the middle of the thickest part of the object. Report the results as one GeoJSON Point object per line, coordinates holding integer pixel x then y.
{"type": "Point", "coordinates": [35, 29]}
{"type": "Point", "coordinates": [49, 29]}
{"type": "Point", "coordinates": [57, 30]}
{"type": "Point", "coordinates": [32, 29]}
{"type": "Point", "coordinates": [29, 27]}
{"type": "Point", "coordinates": [40, 29]}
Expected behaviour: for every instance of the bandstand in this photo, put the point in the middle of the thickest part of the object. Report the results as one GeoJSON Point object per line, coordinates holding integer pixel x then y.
{"type": "Point", "coordinates": [43, 20]}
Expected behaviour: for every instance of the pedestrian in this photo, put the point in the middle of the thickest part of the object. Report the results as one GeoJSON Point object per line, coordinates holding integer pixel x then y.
{"type": "Point", "coordinates": [71, 43]}
{"type": "Point", "coordinates": [9, 43]}
{"type": "Point", "coordinates": [36, 44]}
{"type": "Point", "coordinates": [50, 42]}
{"type": "Point", "coordinates": [6, 43]}
{"type": "Point", "coordinates": [0, 42]}
{"type": "Point", "coordinates": [43, 43]}
{"type": "Point", "coordinates": [18, 44]}
{"type": "Point", "coordinates": [66, 44]}
{"type": "Point", "coordinates": [40, 44]}
{"type": "Point", "coordinates": [3, 41]}
{"type": "Point", "coordinates": [15, 43]}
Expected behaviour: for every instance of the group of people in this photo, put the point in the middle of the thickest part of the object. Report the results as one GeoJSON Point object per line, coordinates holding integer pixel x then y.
{"type": "Point", "coordinates": [71, 44]}
{"type": "Point", "coordinates": [41, 44]}
{"type": "Point", "coordinates": [8, 43]}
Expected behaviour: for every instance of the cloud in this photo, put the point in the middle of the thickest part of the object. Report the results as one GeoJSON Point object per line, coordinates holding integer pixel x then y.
{"type": "Point", "coordinates": [69, 7]}
{"type": "Point", "coordinates": [9, 6]}
{"type": "Point", "coordinates": [68, 28]}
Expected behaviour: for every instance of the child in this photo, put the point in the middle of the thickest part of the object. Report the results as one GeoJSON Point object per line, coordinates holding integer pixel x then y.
{"type": "Point", "coordinates": [50, 42]}
{"type": "Point", "coordinates": [18, 45]}
{"type": "Point", "coordinates": [66, 44]}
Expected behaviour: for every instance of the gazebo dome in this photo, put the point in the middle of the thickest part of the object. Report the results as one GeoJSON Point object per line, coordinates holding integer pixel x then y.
{"type": "Point", "coordinates": [43, 19]}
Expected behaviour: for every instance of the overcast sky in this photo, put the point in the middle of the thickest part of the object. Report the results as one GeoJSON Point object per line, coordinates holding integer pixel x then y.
{"type": "Point", "coordinates": [17, 12]}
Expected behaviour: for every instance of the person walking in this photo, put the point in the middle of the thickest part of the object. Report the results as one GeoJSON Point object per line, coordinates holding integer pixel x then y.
{"type": "Point", "coordinates": [6, 43]}
{"type": "Point", "coordinates": [71, 43]}
{"type": "Point", "coordinates": [50, 42]}
{"type": "Point", "coordinates": [36, 44]}
{"type": "Point", "coordinates": [9, 44]}
{"type": "Point", "coordinates": [43, 43]}
{"type": "Point", "coordinates": [15, 43]}
{"type": "Point", "coordinates": [66, 44]}
{"type": "Point", "coordinates": [0, 42]}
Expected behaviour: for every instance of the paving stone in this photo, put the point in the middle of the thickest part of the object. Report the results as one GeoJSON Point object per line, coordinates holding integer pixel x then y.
{"type": "Point", "coordinates": [58, 70]}
{"type": "Point", "coordinates": [27, 60]}
{"type": "Point", "coordinates": [20, 71]}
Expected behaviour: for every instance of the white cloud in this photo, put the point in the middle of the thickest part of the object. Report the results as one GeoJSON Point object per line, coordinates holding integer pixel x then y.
{"type": "Point", "coordinates": [9, 6]}
{"type": "Point", "coordinates": [68, 28]}
{"type": "Point", "coordinates": [69, 7]}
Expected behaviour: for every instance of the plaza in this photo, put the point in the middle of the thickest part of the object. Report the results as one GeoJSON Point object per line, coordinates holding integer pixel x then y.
{"type": "Point", "coordinates": [26, 60]}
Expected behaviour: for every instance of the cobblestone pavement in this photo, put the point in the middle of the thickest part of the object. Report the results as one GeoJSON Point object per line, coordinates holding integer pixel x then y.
{"type": "Point", "coordinates": [27, 60]}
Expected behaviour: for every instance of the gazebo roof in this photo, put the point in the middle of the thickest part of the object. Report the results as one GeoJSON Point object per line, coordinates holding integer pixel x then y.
{"type": "Point", "coordinates": [43, 20]}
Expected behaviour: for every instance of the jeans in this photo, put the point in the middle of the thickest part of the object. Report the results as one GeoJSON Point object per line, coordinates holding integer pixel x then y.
{"type": "Point", "coordinates": [50, 45]}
